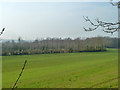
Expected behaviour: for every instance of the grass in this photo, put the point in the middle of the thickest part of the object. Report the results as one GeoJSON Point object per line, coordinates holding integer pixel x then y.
{"type": "Point", "coordinates": [65, 70]}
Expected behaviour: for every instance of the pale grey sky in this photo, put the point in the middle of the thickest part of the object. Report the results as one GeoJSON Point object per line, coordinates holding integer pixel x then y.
{"type": "Point", "coordinates": [31, 20]}
{"type": "Point", "coordinates": [56, 0]}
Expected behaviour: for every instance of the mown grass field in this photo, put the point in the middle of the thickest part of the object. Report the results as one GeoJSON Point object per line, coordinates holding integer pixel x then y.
{"type": "Point", "coordinates": [65, 70]}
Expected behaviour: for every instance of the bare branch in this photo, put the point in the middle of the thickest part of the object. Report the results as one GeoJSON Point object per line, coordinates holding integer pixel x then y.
{"type": "Point", "coordinates": [19, 75]}
{"type": "Point", "coordinates": [2, 31]}
{"type": "Point", "coordinates": [107, 27]}
{"type": "Point", "coordinates": [90, 29]}
{"type": "Point", "coordinates": [114, 4]}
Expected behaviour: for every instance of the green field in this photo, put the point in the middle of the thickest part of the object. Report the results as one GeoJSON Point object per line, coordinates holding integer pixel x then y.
{"type": "Point", "coordinates": [65, 70]}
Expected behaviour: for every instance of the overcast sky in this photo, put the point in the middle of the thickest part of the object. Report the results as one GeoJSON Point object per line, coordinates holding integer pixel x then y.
{"type": "Point", "coordinates": [31, 20]}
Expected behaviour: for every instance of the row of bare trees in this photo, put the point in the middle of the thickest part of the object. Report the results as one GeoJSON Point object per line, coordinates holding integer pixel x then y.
{"type": "Point", "coordinates": [56, 45]}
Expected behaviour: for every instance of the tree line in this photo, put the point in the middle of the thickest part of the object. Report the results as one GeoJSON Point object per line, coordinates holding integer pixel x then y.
{"type": "Point", "coordinates": [58, 45]}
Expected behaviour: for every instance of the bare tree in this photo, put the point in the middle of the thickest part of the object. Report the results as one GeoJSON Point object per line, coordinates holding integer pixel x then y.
{"type": "Point", "coordinates": [108, 27]}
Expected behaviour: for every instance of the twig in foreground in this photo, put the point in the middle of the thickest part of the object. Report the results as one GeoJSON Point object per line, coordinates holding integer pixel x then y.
{"type": "Point", "coordinates": [2, 31]}
{"type": "Point", "coordinates": [19, 75]}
